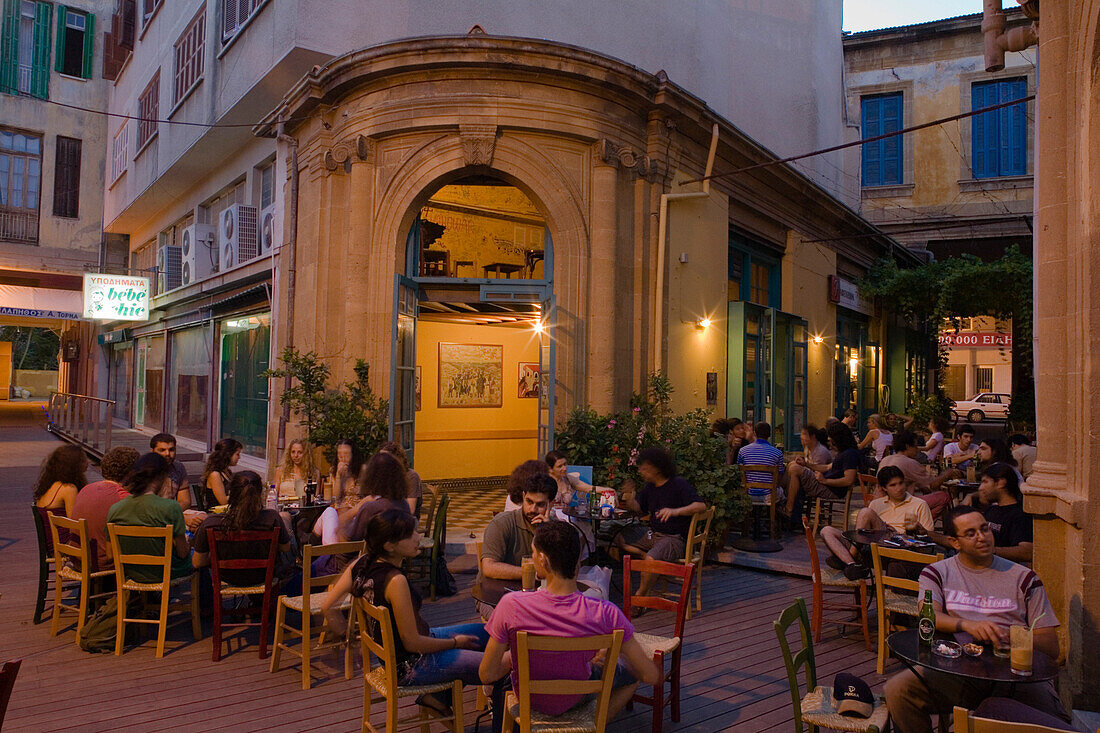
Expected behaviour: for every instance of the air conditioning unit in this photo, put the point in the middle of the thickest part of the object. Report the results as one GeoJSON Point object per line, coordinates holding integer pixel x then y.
{"type": "Point", "coordinates": [267, 231]}
{"type": "Point", "coordinates": [237, 236]}
{"type": "Point", "coordinates": [169, 268]}
{"type": "Point", "coordinates": [198, 251]}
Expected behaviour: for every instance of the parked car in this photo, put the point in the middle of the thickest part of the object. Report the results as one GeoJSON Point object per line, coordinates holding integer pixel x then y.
{"type": "Point", "coordinates": [983, 406]}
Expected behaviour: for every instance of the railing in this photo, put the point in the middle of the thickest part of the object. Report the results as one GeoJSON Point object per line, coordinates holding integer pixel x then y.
{"type": "Point", "coordinates": [82, 420]}
{"type": "Point", "coordinates": [19, 226]}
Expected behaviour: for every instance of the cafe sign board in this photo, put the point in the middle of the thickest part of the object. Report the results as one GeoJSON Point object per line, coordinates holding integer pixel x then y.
{"type": "Point", "coordinates": [975, 340]}
{"type": "Point", "coordinates": [116, 297]}
{"type": "Point", "coordinates": [846, 293]}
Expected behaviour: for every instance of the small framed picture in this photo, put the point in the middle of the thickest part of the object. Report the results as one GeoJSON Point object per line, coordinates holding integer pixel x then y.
{"type": "Point", "coordinates": [528, 380]}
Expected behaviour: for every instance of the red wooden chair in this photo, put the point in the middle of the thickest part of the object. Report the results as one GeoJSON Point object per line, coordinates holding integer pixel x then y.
{"type": "Point", "coordinates": [221, 538]}
{"type": "Point", "coordinates": [661, 646]}
{"type": "Point", "coordinates": [828, 580]}
{"type": "Point", "coordinates": [7, 682]}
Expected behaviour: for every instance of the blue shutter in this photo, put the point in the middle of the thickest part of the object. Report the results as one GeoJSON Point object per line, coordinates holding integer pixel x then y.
{"type": "Point", "coordinates": [1014, 129]}
{"type": "Point", "coordinates": [891, 146]}
{"type": "Point", "coordinates": [870, 126]}
{"type": "Point", "coordinates": [984, 132]}
{"type": "Point", "coordinates": [9, 47]}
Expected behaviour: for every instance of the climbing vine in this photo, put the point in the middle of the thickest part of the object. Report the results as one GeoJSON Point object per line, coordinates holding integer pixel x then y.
{"type": "Point", "coordinates": [948, 290]}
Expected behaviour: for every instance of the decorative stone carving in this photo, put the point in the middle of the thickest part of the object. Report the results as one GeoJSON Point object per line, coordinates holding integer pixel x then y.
{"type": "Point", "coordinates": [339, 156]}
{"type": "Point", "coordinates": [479, 143]}
{"type": "Point", "coordinates": [623, 156]}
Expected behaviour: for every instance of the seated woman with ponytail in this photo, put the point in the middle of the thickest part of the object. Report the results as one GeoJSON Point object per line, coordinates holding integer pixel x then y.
{"type": "Point", "coordinates": [425, 656]}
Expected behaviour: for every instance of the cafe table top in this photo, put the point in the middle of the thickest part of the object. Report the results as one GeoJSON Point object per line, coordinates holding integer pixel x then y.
{"type": "Point", "coordinates": [886, 538]}
{"type": "Point", "coordinates": [988, 667]}
{"type": "Point", "coordinates": [490, 590]}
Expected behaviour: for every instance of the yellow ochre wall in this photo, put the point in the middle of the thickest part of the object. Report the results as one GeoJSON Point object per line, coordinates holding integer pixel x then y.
{"type": "Point", "coordinates": [465, 442]}
{"type": "Point", "coordinates": [806, 267]}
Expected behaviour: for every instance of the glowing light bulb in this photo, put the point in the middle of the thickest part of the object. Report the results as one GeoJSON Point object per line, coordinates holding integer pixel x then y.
{"type": "Point", "coordinates": [705, 323]}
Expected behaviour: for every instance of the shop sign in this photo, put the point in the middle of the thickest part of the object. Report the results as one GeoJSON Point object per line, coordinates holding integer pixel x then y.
{"type": "Point", "coordinates": [116, 297]}
{"type": "Point", "coordinates": [846, 293]}
{"type": "Point", "coordinates": [975, 340]}
{"type": "Point", "coordinates": [115, 337]}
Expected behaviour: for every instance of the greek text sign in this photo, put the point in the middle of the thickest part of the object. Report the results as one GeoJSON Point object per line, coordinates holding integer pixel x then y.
{"type": "Point", "coordinates": [116, 297]}
{"type": "Point", "coordinates": [975, 340]}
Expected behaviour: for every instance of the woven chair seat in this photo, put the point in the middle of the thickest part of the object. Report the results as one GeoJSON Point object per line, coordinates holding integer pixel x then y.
{"type": "Point", "coordinates": [426, 543]}
{"type": "Point", "coordinates": [377, 679]}
{"type": "Point", "coordinates": [70, 573]}
{"type": "Point", "coordinates": [578, 719]}
{"type": "Point", "coordinates": [242, 590]}
{"type": "Point", "coordinates": [818, 709]}
{"type": "Point", "coordinates": [135, 585]}
{"type": "Point", "coordinates": [651, 643]}
{"type": "Point", "coordinates": [836, 578]}
{"type": "Point", "coordinates": [899, 602]}
{"type": "Point", "coordinates": [316, 601]}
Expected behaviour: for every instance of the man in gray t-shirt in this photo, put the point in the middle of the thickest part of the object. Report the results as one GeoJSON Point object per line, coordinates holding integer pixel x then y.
{"type": "Point", "coordinates": [977, 596]}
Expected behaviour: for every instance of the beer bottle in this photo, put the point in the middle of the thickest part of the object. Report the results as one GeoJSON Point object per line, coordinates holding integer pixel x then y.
{"type": "Point", "coordinates": [927, 620]}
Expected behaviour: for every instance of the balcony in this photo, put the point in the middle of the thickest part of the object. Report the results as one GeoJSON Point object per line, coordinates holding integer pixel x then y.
{"type": "Point", "coordinates": [19, 226]}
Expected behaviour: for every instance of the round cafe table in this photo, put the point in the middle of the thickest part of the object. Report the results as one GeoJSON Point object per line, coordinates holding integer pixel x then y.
{"type": "Point", "coordinates": [490, 590]}
{"type": "Point", "coordinates": [906, 646]}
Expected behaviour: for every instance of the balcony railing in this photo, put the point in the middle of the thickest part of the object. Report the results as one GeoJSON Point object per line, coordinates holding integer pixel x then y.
{"type": "Point", "coordinates": [19, 226]}
{"type": "Point", "coordinates": [82, 420]}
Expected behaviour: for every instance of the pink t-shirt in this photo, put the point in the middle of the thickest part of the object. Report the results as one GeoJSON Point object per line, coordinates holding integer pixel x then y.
{"type": "Point", "coordinates": [544, 614]}
{"type": "Point", "coordinates": [92, 503]}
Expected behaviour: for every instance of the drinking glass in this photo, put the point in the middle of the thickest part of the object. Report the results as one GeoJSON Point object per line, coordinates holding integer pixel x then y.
{"type": "Point", "coordinates": [1021, 650]}
{"type": "Point", "coordinates": [528, 568]}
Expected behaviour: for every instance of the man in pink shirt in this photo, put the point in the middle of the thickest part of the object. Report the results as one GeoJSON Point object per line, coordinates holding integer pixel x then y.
{"type": "Point", "coordinates": [95, 499]}
{"type": "Point", "coordinates": [559, 609]}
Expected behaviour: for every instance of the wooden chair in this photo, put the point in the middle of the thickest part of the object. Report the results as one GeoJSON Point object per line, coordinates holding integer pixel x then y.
{"type": "Point", "coordinates": [695, 551]}
{"type": "Point", "coordinates": [120, 533]}
{"type": "Point", "coordinates": [429, 502]}
{"type": "Point", "coordinates": [659, 647]}
{"type": "Point", "coordinates": [434, 545]}
{"type": "Point", "coordinates": [815, 708]}
{"type": "Point", "coordinates": [8, 674]}
{"type": "Point", "coordinates": [868, 484]}
{"type": "Point", "coordinates": [827, 580]}
{"type": "Point", "coordinates": [383, 678]}
{"type": "Point", "coordinates": [590, 717]}
{"type": "Point", "coordinates": [828, 506]}
{"type": "Point", "coordinates": [218, 537]}
{"type": "Point", "coordinates": [965, 722]}
{"type": "Point", "coordinates": [309, 605]}
{"type": "Point", "coordinates": [45, 560]}
{"type": "Point", "coordinates": [889, 600]}
{"type": "Point", "coordinates": [84, 569]}
{"type": "Point", "coordinates": [766, 502]}
{"type": "Point", "coordinates": [482, 700]}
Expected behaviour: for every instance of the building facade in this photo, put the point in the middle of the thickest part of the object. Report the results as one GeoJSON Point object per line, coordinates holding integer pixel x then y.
{"type": "Point", "coordinates": [964, 187]}
{"type": "Point", "coordinates": [52, 142]}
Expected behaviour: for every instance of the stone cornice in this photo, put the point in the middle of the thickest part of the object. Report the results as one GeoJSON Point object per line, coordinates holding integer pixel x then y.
{"type": "Point", "coordinates": [625, 157]}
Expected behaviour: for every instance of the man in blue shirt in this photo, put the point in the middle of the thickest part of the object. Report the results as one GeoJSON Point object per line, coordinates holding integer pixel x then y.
{"type": "Point", "coordinates": [760, 453]}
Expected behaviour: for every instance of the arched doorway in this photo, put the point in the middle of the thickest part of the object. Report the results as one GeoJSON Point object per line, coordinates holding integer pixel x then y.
{"type": "Point", "coordinates": [473, 353]}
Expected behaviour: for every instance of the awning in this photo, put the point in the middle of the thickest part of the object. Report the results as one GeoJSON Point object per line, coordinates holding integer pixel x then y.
{"type": "Point", "coordinates": [18, 301]}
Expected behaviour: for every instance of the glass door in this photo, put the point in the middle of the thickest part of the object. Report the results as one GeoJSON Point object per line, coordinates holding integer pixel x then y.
{"type": "Point", "coordinates": [546, 376]}
{"type": "Point", "coordinates": [245, 355]}
{"type": "Point", "coordinates": [406, 297]}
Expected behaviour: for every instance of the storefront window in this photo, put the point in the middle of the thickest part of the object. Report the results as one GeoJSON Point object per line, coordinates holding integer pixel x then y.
{"type": "Point", "coordinates": [192, 363]}
{"type": "Point", "coordinates": [857, 368]}
{"type": "Point", "coordinates": [151, 382]}
{"type": "Point", "coordinates": [245, 347]}
{"type": "Point", "coordinates": [118, 384]}
{"type": "Point", "coordinates": [754, 272]}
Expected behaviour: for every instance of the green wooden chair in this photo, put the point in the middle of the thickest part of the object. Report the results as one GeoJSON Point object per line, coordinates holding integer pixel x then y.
{"type": "Point", "coordinates": [433, 549]}
{"type": "Point", "coordinates": [816, 707]}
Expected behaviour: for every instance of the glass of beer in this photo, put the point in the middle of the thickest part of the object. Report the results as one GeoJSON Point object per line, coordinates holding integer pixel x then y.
{"type": "Point", "coordinates": [1021, 650]}
{"type": "Point", "coordinates": [910, 523]}
{"type": "Point", "coordinates": [528, 567]}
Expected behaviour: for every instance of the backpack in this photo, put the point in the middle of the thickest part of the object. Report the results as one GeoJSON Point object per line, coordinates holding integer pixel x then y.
{"type": "Point", "coordinates": [445, 584]}
{"type": "Point", "coordinates": [98, 633]}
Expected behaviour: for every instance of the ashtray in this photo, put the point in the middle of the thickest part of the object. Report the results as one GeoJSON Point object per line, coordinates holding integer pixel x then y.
{"type": "Point", "coordinates": [948, 649]}
{"type": "Point", "coordinates": [973, 650]}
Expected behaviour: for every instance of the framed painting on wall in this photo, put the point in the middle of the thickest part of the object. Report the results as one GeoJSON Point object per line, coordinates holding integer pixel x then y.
{"type": "Point", "coordinates": [528, 379]}
{"type": "Point", "coordinates": [471, 375]}
{"type": "Point", "coordinates": [418, 388]}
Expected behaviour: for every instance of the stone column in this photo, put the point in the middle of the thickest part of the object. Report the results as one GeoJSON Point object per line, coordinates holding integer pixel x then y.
{"type": "Point", "coordinates": [602, 321]}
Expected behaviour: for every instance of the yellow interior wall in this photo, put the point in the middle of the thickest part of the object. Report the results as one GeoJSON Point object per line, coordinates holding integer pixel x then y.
{"type": "Point", "coordinates": [5, 369]}
{"type": "Point", "coordinates": [463, 442]}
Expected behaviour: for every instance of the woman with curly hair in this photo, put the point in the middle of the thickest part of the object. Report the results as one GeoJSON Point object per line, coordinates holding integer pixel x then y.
{"type": "Point", "coordinates": [61, 476]}
{"type": "Point", "coordinates": [96, 499]}
{"type": "Point", "coordinates": [216, 473]}
{"type": "Point", "coordinates": [297, 468]}
{"type": "Point", "coordinates": [519, 477]}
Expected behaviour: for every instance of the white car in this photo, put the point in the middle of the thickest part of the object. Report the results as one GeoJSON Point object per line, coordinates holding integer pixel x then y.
{"type": "Point", "coordinates": [984, 406]}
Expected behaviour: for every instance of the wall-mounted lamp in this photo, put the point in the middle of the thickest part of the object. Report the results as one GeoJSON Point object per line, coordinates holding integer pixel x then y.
{"type": "Point", "coordinates": [853, 367]}
{"type": "Point", "coordinates": [702, 324]}
{"type": "Point", "coordinates": [539, 327]}
{"type": "Point", "coordinates": [819, 340]}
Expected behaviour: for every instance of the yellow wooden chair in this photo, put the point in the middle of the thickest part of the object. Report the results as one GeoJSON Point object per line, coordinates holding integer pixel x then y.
{"type": "Point", "coordinates": [382, 679]}
{"type": "Point", "coordinates": [760, 502]}
{"type": "Point", "coordinates": [890, 600]}
{"type": "Point", "coordinates": [309, 605]}
{"type": "Point", "coordinates": [695, 551]}
{"type": "Point", "coordinates": [81, 570]}
{"type": "Point", "coordinates": [121, 534]}
{"type": "Point", "coordinates": [965, 722]}
{"type": "Point", "coordinates": [590, 717]}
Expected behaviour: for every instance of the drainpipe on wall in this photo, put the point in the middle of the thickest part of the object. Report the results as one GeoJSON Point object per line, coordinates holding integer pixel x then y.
{"type": "Point", "coordinates": [997, 41]}
{"type": "Point", "coordinates": [662, 242]}
{"type": "Point", "coordinates": [291, 244]}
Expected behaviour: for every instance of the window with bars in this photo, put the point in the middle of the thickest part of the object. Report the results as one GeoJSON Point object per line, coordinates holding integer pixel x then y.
{"type": "Point", "coordinates": [882, 159]}
{"type": "Point", "coordinates": [66, 178]}
{"type": "Point", "coordinates": [20, 180]}
{"type": "Point", "coordinates": [190, 53]}
{"type": "Point", "coordinates": [999, 137]}
{"type": "Point", "coordinates": [120, 152]}
{"type": "Point", "coordinates": [148, 111]}
{"type": "Point", "coordinates": [75, 42]}
{"type": "Point", "coordinates": [234, 15]}
{"type": "Point", "coordinates": [25, 48]}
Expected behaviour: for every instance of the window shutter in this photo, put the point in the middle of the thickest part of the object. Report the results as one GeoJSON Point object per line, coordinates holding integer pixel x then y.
{"type": "Point", "coordinates": [40, 68]}
{"type": "Point", "coordinates": [59, 56]}
{"type": "Point", "coordinates": [89, 44]}
{"type": "Point", "coordinates": [891, 146]}
{"type": "Point", "coordinates": [980, 141]}
{"type": "Point", "coordinates": [1013, 129]}
{"type": "Point", "coordinates": [9, 47]}
{"type": "Point", "coordinates": [229, 18]}
{"type": "Point", "coordinates": [66, 185]}
{"type": "Point", "coordinates": [871, 125]}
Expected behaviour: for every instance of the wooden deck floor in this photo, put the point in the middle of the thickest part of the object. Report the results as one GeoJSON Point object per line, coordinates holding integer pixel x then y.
{"type": "Point", "coordinates": [733, 672]}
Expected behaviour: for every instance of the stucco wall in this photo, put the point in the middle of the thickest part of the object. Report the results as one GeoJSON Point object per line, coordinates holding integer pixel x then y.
{"type": "Point", "coordinates": [806, 267]}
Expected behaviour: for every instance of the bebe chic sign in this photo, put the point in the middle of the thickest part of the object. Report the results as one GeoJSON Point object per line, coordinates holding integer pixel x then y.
{"type": "Point", "coordinates": [116, 297]}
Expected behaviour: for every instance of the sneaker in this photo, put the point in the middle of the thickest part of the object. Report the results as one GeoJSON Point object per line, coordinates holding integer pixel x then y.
{"type": "Point", "coordinates": [834, 562]}
{"type": "Point", "coordinates": [855, 571]}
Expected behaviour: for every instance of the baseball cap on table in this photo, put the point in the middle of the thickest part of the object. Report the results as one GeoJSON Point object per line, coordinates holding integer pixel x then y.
{"type": "Point", "coordinates": [852, 696]}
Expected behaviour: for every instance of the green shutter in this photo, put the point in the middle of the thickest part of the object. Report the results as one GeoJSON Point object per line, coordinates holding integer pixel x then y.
{"type": "Point", "coordinates": [40, 69]}
{"type": "Point", "coordinates": [9, 48]}
{"type": "Point", "coordinates": [89, 44]}
{"type": "Point", "coordinates": [59, 55]}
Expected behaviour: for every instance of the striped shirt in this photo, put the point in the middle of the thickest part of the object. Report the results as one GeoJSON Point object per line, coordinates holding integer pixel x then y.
{"type": "Point", "coordinates": [1005, 593]}
{"type": "Point", "coordinates": [760, 453]}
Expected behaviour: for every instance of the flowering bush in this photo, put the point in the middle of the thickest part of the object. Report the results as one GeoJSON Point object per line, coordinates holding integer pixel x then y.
{"type": "Point", "coordinates": [610, 444]}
